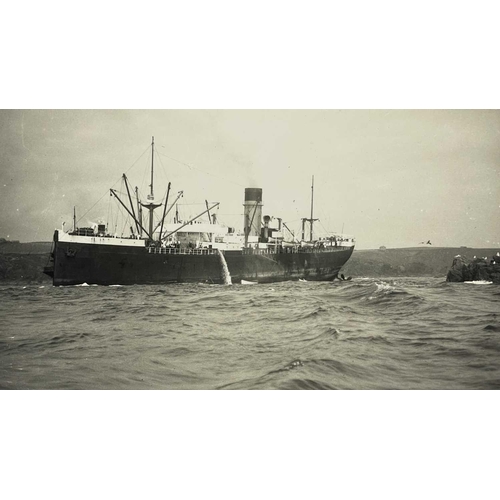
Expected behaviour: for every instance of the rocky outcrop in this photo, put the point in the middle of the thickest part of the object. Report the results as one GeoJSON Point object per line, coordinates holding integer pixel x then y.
{"type": "Point", "coordinates": [414, 262]}
{"type": "Point", "coordinates": [477, 269]}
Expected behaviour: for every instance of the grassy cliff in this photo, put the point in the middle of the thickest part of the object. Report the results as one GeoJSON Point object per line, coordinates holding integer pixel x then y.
{"type": "Point", "coordinates": [419, 261]}
{"type": "Point", "coordinates": [24, 262]}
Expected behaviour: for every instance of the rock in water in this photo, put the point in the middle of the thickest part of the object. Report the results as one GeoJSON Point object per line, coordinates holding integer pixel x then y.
{"type": "Point", "coordinates": [459, 270]}
{"type": "Point", "coordinates": [478, 270]}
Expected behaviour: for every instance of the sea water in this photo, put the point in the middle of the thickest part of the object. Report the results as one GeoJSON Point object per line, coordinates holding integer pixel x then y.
{"type": "Point", "coordinates": [401, 333]}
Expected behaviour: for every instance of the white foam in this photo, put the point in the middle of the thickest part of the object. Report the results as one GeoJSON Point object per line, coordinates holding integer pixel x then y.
{"type": "Point", "coordinates": [479, 282]}
{"type": "Point", "coordinates": [384, 286]}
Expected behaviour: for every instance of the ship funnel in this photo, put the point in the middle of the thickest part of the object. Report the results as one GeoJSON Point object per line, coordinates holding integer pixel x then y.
{"type": "Point", "coordinates": [252, 216]}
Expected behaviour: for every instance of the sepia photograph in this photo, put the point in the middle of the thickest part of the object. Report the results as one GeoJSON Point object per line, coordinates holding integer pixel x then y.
{"type": "Point", "coordinates": [249, 250]}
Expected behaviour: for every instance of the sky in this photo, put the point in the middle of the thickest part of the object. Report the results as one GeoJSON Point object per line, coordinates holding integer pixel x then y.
{"type": "Point", "coordinates": [390, 178]}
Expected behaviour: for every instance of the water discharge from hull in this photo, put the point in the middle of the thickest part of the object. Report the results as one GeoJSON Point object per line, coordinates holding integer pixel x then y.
{"type": "Point", "coordinates": [225, 270]}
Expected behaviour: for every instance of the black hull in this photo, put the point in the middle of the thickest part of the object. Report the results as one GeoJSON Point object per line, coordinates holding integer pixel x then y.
{"type": "Point", "coordinates": [77, 263]}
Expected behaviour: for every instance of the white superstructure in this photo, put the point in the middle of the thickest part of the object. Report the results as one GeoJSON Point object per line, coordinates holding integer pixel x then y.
{"type": "Point", "coordinates": [99, 240]}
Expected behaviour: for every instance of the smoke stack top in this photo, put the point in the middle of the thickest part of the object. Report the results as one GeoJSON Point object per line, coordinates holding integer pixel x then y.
{"type": "Point", "coordinates": [253, 194]}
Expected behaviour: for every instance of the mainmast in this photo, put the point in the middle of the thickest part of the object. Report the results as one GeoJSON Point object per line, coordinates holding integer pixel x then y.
{"type": "Point", "coordinates": [312, 206]}
{"type": "Point", "coordinates": [152, 165]}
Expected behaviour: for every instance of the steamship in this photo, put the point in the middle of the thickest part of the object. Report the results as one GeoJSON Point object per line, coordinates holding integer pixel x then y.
{"type": "Point", "coordinates": [195, 251]}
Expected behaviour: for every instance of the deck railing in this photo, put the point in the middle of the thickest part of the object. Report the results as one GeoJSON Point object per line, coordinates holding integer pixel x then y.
{"type": "Point", "coordinates": [245, 251]}
{"type": "Point", "coordinates": [294, 249]}
{"type": "Point", "coordinates": [183, 251]}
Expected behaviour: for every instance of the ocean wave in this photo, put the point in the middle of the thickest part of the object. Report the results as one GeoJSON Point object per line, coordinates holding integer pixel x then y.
{"type": "Point", "coordinates": [111, 317]}
{"type": "Point", "coordinates": [305, 383]}
{"type": "Point", "coordinates": [385, 287]}
{"type": "Point", "coordinates": [290, 366]}
{"type": "Point", "coordinates": [492, 344]}
{"type": "Point", "coordinates": [492, 328]}
{"type": "Point", "coordinates": [390, 295]}
{"type": "Point", "coordinates": [317, 311]}
{"type": "Point", "coordinates": [372, 290]}
{"type": "Point", "coordinates": [412, 333]}
{"type": "Point", "coordinates": [377, 339]}
{"type": "Point", "coordinates": [38, 344]}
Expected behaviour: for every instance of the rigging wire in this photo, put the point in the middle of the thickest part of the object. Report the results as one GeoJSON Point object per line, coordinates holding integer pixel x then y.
{"type": "Point", "coordinates": [108, 218]}
{"type": "Point", "coordinates": [107, 191]}
{"type": "Point", "coordinates": [161, 164]}
{"type": "Point", "coordinates": [158, 154]}
{"type": "Point", "coordinates": [125, 224]}
{"type": "Point", "coordinates": [116, 221]}
{"type": "Point", "coordinates": [191, 167]}
{"type": "Point", "coordinates": [121, 192]}
{"type": "Point", "coordinates": [324, 228]}
{"type": "Point", "coordinates": [146, 172]}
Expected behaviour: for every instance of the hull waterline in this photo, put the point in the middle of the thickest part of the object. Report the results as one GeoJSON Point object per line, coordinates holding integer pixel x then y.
{"type": "Point", "coordinates": [109, 265]}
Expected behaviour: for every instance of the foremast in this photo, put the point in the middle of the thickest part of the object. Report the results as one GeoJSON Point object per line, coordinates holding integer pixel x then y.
{"type": "Point", "coordinates": [150, 205]}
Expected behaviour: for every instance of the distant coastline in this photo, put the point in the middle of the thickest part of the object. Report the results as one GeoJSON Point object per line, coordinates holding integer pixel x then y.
{"type": "Point", "coordinates": [9, 246]}
{"type": "Point", "coordinates": [23, 262]}
{"type": "Point", "coordinates": [414, 261]}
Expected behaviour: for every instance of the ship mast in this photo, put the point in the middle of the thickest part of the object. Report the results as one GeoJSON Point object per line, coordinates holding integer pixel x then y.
{"type": "Point", "coordinates": [151, 206]}
{"type": "Point", "coordinates": [152, 164]}
{"type": "Point", "coordinates": [311, 220]}
{"type": "Point", "coordinates": [312, 205]}
{"type": "Point", "coordinates": [151, 196]}
{"type": "Point", "coordinates": [139, 209]}
{"type": "Point", "coordinates": [131, 204]}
